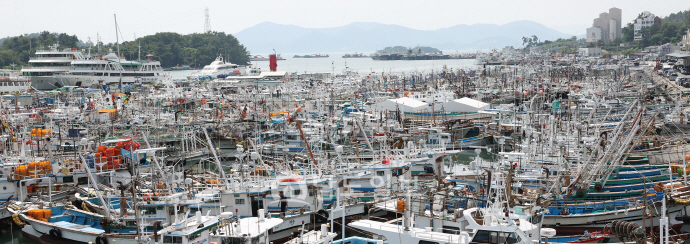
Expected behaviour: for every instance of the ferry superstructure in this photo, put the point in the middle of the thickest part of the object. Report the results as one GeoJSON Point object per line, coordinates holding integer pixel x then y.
{"type": "Point", "coordinates": [50, 62]}
{"type": "Point", "coordinates": [108, 70]}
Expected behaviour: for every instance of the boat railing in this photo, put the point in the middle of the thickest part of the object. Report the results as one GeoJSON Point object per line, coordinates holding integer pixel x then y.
{"type": "Point", "coordinates": [52, 58]}
{"type": "Point", "coordinates": [46, 67]}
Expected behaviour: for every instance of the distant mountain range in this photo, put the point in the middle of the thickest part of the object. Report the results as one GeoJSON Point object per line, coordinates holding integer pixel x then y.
{"type": "Point", "coordinates": [369, 37]}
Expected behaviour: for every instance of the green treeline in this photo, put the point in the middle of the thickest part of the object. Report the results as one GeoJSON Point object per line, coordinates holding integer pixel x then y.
{"type": "Point", "coordinates": [171, 49]}
{"type": "Point", "coordinates": [196, 50]}
{"type": "Point", "coordinates": [18, 49]}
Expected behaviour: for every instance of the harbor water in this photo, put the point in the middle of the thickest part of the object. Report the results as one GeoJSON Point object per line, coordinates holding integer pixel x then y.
{"type": "Point", "coordinates": [336, 63]}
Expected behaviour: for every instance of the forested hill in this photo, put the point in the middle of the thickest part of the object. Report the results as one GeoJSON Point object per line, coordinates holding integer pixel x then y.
{"type": "Point", "coordinates": [170, 49]}
{"type": "Point", "coordinates": [195, 50]}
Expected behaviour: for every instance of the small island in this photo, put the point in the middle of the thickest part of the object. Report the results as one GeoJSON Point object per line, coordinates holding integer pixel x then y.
{"type": "Point", "coordinates": [416, 53]}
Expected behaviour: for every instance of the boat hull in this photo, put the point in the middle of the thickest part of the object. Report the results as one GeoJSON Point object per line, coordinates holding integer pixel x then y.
{"type": "Point", "coordinates": [45, 83]}
{"type": "Point", "coordinates": [578, 224]}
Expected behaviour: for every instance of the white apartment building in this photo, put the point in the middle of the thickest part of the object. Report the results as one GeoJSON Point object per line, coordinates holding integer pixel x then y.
{"type": "Point", "coordinates": [644, 21]}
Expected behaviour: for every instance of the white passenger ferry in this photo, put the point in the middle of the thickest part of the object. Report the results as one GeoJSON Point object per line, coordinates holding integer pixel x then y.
{"type": "Point", "coordinates": [110, 70]}
{"type": "Point", "coordinates": [48, 63]}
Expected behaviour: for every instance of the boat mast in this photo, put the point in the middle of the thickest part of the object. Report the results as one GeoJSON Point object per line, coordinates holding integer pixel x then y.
{"type": "Point", "coordinates": [117, 40]}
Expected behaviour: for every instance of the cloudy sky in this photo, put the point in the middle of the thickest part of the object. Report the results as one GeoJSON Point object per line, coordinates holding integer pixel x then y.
{"type": "Point", "coordinates": [89, 18]}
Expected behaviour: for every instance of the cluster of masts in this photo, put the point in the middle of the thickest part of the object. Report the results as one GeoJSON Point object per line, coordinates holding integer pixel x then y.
{"type": "Point", "coordinates": [570, 149]}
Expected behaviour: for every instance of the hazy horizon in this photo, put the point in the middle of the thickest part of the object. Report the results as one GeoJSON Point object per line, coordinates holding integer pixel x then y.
{"type": "Point", "coordinates": [140, 18]}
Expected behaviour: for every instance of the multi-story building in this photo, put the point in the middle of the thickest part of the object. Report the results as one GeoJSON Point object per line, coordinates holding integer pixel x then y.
{"type": "Point", "coordinates": [607, 27]}
{"type": "Point", "coordinates": [589, 52]}
{"type": "Point", "coordinates": [646, 20]}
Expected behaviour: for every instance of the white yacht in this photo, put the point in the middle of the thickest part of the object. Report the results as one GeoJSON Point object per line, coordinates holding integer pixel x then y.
{"type": "Point", "coordinates": [50, 62]}
{"type": "Point", "coordinates": [217, 69]}
{"type": "Point", "coordinates": [107, 70]}
{"type": "Point", "coordinates": [11, 82]}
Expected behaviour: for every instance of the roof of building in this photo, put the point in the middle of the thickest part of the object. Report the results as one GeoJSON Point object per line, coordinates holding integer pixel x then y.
{"type": "Point", "coordinates": [679, 55]}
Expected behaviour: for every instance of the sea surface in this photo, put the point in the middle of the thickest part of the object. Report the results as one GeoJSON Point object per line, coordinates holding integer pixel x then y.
{"type": "Point", "coordinates": [335, 63]}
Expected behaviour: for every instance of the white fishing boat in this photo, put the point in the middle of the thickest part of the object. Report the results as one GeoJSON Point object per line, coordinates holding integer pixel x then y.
{"type": "Point", "coordinates": [217, 69]}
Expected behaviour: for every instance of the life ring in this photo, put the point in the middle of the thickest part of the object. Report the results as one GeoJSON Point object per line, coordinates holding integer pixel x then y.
{"type": "Point", "coordinates": [101, 240]}
{"type": "Point", "coordinates": [322, 215]}
{"type": "Point", "coordinates": [598, 187]}
{"type": "Point", "coordinates": [55, 234]}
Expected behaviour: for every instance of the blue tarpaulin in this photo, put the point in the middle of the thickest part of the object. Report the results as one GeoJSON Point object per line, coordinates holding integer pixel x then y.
{"type": "Point", "coordinates": [125, 153]}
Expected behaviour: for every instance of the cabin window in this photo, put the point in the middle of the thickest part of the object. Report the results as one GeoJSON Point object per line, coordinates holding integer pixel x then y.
{"type": "Point", "coordinates": [427, 242]}
{"type": "Point", "coordinates": [172, 239]}
{"type": "Point", "coordinates": [148, 211]}
{"type": "Point", "coordinates": [130, 223]}
{"type": "Point", "coordinates": [296, 192]}
{"type": "Point", "coordinates": [380, 173]}
{"type": "Point", "coordinates": [451, 230]}
{"type": "Point", "coordinates": [511, 238]}
{"type": "Point", "coordinates": [311, 193]}
{"type": "Point", "coordinates": [493, 237]}
{"type": "Point", "coordinates": [239, 201]}
{"type": "Point", "coordinates": [482, 236]}
{"type": "Point", "coordinates": [233, 240]}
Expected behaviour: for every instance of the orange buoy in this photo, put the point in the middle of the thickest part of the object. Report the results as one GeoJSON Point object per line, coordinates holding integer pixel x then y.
{"type": "Point", "coordinates": [47, 213]}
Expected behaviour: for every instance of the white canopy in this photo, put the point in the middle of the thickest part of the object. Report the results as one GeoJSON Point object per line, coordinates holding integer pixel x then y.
{"type": "Point", "coordinates": [465, 105]}
{"type": "Point", "coordinates": [404, 104]}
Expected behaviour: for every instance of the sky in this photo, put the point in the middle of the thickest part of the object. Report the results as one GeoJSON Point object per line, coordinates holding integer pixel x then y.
{"type": "Point", "coordinates": [139, 18]}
